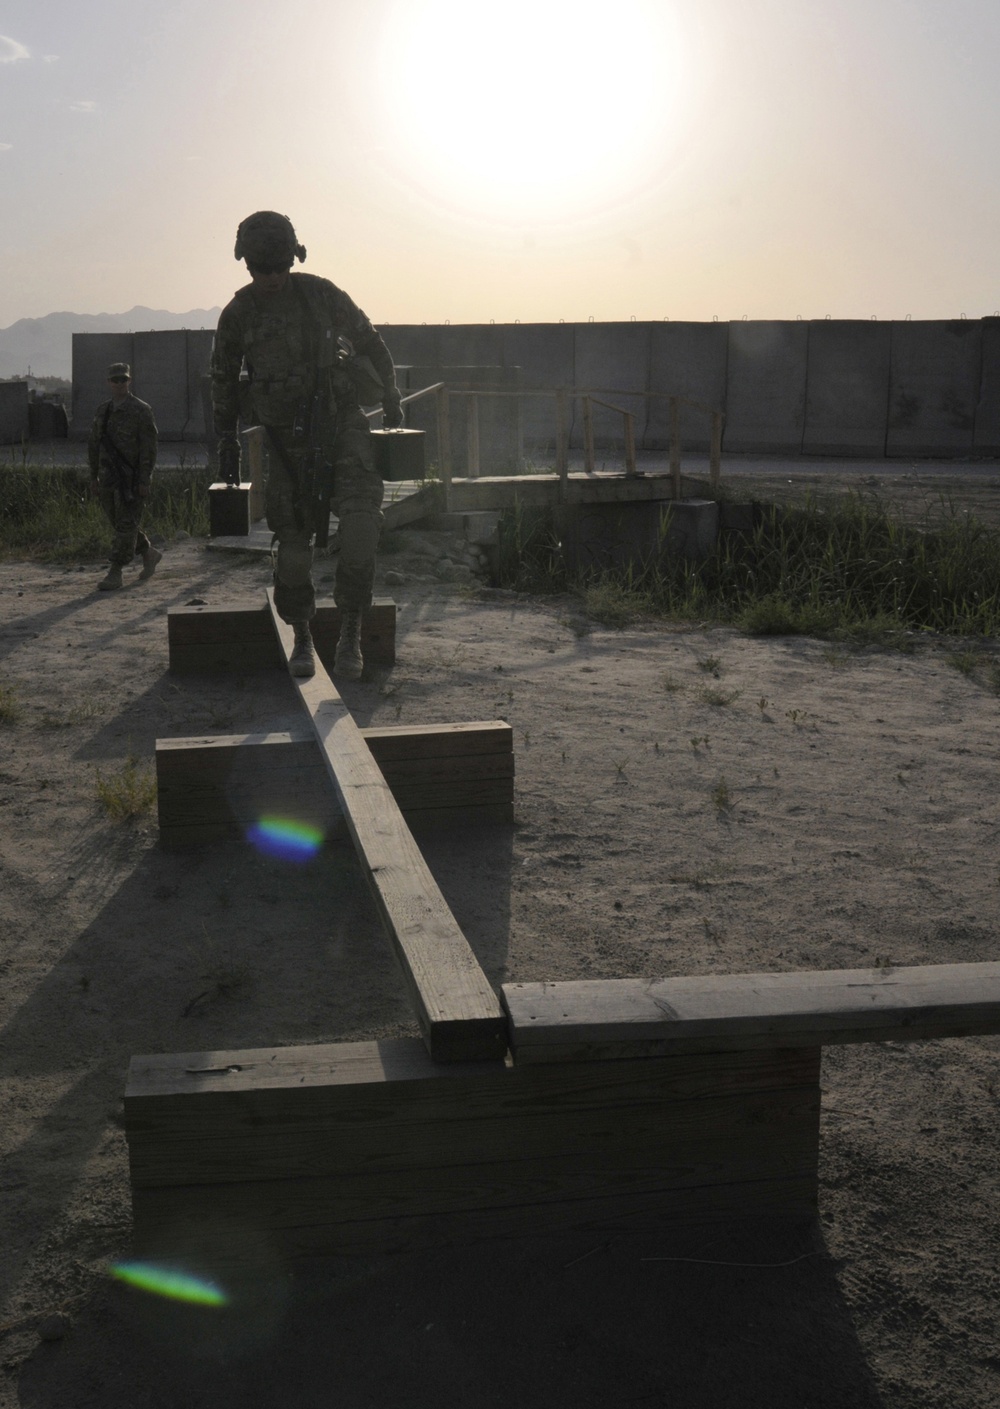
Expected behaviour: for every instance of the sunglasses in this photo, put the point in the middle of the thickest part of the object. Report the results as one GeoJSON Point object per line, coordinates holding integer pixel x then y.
{"type": "Point", "coordinates": [281, 268]}
{"type": "Point", "coordinates": [119, 379]}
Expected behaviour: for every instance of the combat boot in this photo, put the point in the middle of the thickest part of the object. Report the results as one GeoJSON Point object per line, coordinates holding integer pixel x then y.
{"type": "Point", "coordinates": [150, 559]}
{"type": "Point", "coordinates": [302, 662]}
{"type": "Point", "coordinates": [347, 663]}
{"type": "Point", "coordinates": [113, 581]}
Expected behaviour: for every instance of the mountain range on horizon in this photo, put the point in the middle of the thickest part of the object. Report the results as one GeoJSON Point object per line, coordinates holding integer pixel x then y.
{"type": "Point", "coordinates": [45, 345]}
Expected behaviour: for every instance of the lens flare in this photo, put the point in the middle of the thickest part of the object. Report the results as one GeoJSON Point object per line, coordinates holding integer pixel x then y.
{"type": "Point", "coordinates": [162, 1281]}
{"type": "Point", "coordinates": [285, 839]}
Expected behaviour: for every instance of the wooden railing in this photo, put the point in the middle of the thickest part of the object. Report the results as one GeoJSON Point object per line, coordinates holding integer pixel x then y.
{"type": "Point", "coordinates": [563, 397]}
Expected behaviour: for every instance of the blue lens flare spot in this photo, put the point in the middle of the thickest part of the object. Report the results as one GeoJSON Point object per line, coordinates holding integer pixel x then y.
{"type": "Point", "coordinates": [166, 1282]}
{"type": "Point", "coordinates": [285, 839]}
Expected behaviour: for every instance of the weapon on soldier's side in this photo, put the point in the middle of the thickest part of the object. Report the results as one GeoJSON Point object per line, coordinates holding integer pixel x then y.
{"type": "Point", "coordinates": [316, 424]}
{"type": "Point", "coordinates": [121, 467]}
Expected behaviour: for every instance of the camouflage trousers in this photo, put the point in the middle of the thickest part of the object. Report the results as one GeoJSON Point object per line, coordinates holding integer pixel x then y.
{"type": "Point", "coordinates": [357, 500]}
{"type": "Point", "coordinates": [125, 520]}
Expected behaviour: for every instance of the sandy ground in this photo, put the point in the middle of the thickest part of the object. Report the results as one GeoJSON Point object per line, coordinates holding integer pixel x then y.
{"type": "Point", "coordinates": [687, 800]}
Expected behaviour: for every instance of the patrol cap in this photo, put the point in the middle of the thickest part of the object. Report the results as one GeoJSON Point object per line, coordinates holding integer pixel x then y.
{"type": "Point", "coordinates": [268, 238]}
{"type": "Point", "coordinates": [120, 369]}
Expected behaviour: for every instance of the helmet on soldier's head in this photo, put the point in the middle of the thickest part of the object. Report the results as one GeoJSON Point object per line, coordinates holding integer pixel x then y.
{"type": "Point", "coordinates": [268, 238]}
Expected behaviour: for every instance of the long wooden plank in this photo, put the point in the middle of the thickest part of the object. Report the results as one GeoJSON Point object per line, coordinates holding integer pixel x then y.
{"type": "Point", "coordinates": [459, 1014]}
{"type": "Point", "coordinates": [627, 1018]}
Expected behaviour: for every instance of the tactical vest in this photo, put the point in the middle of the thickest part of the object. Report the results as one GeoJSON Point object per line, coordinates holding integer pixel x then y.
{"type": "Point", "coordinates": [291, 347]}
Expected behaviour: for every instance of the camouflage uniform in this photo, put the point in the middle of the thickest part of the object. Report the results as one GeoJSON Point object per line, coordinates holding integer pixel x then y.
{"type": "Point", "coordinates": [288, 342]}
{"type": "Point", "coordinates": [132, 431]}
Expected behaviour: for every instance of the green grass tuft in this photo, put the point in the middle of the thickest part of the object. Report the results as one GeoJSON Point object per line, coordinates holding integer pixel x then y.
{"type": "Point", "coordinates": [848, 570]}
{"type": "Point", "coordinates": [129, 792]}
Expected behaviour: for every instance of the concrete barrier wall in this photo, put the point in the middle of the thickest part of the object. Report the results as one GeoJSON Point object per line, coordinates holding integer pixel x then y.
{"type": "Point", "coordinates": [834, 387]}
{"type": "Point", "coordinates": [611, 358]}
{"type": "Point", "coordinates": [766, 387]}
{"type": "Point", "coordinates": [847, 392]}
{"type": "Point", "coordinates": [500, 441]}
{"type": "Point", "coordinates": [93, 353]}
{"type": "Point", "coordinates": [686, 359]}
{"type": "Point", "coordinates": [934, 387]}
{"type": "Point", "coordinates": [14, 424]}
{"type": "Point", "coordinates": [546, 355]}
{"type": "Point", "coordinates": [986, 435]}
{"type": "Point", "coordinates": [199, 353]}
{"type": "Point", "coordinates": [160, 376]}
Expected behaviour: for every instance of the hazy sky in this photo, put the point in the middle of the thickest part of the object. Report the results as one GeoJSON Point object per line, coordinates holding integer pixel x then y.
{"type": "Point", "coordinates": [536, 159]}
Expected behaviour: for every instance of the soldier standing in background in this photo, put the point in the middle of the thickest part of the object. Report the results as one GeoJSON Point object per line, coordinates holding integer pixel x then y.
{"type": "Point", "coordinates": [313, 359]}
{"type": "Point", "coordinates": [122, 455]}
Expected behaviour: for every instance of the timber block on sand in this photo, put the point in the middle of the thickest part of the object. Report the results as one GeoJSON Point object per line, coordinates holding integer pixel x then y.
{"type": "Point", "coordinates": [241, 637]}
{"type": "Point", "coordinates": [217, 786]}
{"type": "Point", "coordinates": [373, 1147]}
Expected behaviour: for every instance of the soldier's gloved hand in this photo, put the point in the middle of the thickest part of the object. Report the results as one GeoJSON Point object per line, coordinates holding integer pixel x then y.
{"type": "Point", "coordinates": [392, 413]}
{"type": "Point", "coordinates": [229, 460]}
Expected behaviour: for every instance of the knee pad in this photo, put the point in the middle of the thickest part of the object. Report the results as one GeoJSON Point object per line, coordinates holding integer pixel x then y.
{"type": "Point", "coordinates": [294, 562]}
{"type": "Point", "coordinates": [360, 526]}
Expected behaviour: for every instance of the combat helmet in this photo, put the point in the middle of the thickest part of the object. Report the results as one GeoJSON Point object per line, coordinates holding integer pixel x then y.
{"type": "Point", "coordinates": [268, 238]}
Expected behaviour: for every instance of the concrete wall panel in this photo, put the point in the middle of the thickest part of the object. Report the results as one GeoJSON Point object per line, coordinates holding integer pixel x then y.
{"type": "Point", "coordinates": [612, 357]}
{"type": "Point", "coordinates": [934, 386]}
{"type": "Point", "coordinates": [199, 352]}
{"type": "Point", "coordinates": [93, 353]}
{"type": "Point", "coordinates": [847, 387]}
{"type": "Point", "coordinates": [500, 438]}
{"type": "Point", "coordinates": [545, 353]}
{"type": "Point", "coordinates": [413, 344]}
{"type": "Point", "coordinates": [686, 359]}
{"type": "Point", "coordinates": [160, 376]}
{"type": "Point", "coordinates": [14, 423]}
{"type": "Point", "coordinates": [766, 387]}
{"type": "Point", "coordinates": [986, 436]}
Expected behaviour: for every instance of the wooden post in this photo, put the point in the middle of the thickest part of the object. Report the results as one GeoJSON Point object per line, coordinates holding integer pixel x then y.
{"type": "Point", "coordinates": [629, 443]}
{"type": "Point", "coordinates": [562, 443]}
{"type": "Point", "coordinates": [675, 446]}
{"type": "Point", "coordinates": [473, 436]}
{"type": "Point", "coordinates": [588, 435]}
{"type": "Point", "coordinates": [444, 443]}
{"type": "Point", "coordinates": [715, 457]}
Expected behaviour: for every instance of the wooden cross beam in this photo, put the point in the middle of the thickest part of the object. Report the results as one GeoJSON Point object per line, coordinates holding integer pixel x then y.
{"type": "Point", "coordinates": [626, 1106]}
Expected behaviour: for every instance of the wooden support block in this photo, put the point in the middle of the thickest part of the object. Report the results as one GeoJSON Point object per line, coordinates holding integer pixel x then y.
{"type": "Point", "coordinates": [241, 637]}
{"type": "Point", "coordinates": [228, 510]}
{"type": "Point", "coordinates": [211, 787]}
{"type": "Point", "coordinates": [628, 1018]}
{"type": "Point", "coordinates": [361, 1147]}
{"type": "Point", "coordinates": [459, 1014]}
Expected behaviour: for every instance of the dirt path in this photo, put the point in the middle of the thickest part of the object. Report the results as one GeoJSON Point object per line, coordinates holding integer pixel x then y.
{"type": "Point", "coordinates": [687, 801]}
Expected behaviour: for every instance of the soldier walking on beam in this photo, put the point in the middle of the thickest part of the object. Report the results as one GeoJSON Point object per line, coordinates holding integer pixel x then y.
{"type": "Point", "coordinates": [313, 360]}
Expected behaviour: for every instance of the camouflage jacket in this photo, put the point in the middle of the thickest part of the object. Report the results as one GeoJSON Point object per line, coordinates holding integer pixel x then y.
{"type": "Point", "coordinates": [289, 343]}
{"type": "Point", "coordinates": [131, 430]}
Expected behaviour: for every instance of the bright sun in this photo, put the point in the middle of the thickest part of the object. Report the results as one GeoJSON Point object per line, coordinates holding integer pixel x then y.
{"type": "Point", "coordinates": [540, 110]}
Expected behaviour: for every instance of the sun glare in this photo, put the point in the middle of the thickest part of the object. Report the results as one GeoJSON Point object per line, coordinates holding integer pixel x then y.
{"type": "Point", "coordinates": [538, 109]}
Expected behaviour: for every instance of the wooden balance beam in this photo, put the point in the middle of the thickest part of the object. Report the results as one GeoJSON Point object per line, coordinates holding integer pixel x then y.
{"type": "Point", "coordinates": [372, 1147]}
{"type": "Point", "coordinates": [459, 1014]}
